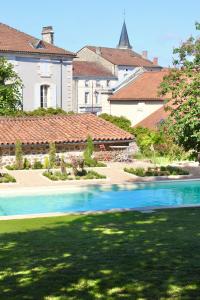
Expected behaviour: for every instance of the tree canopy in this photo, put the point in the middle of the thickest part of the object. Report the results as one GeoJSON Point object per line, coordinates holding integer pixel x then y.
{"type": "Point", "coordinates": [182, 87]}
{"type": "Point", "coordinates": [10, 89]}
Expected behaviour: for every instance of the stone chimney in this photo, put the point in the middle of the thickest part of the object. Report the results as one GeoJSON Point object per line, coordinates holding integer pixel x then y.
{"type": "Point", "coordinates": [145, 54]}
{"type": "Point", "coordinates": [155, 60]}
{"type": "Point", "coordinates": [48, 34]}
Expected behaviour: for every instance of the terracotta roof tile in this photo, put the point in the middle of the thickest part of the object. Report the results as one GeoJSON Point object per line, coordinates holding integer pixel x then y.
{"type": "Point", "coordinates": [123, 57]}
{"type": "Point", "coordinates": [58, 129]}
{"type": "Point", "coordinates": [90, 69]}
{"type": "Point", "coordinates": [144, 87]}
{"type": "Point", "coordinates": [153, 120]}
{"type": "Point", "coordinates": [13, 40]}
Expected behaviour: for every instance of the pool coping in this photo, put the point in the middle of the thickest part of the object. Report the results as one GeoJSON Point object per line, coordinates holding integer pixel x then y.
{"type": "Point", "coordinates": [114, 210]}
{"type": "Point", "coordinates": [150, 209]}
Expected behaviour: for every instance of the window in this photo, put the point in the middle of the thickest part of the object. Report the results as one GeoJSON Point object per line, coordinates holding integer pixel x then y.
{"type": "Point", "coordinates": [98, 83]}
{"type": "Point", "coordinates": [96, 97]}
{"type": "Point", "coordinates": [108, 83]}
{"type": "Point", "coordinates": [86, 83]}
{"type": "Point", "coordinates": [44, 96]}
{"type": "Point", "coordinates": [86, 98]}
{"type": "Point", "coordinates": [45, 69]}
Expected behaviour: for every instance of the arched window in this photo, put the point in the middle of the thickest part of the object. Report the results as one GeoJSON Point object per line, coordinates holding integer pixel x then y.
{"type": "Point", "coordinates": [44, 96]}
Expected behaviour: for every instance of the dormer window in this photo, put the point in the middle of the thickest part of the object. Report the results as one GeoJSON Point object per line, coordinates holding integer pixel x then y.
{"type": "Point", "coordinates": [38, 44]}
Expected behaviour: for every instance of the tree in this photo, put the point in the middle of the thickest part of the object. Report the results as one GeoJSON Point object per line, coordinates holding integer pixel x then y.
{"type": "Point", "coordinates": [10, 89]}
{"type": "Point", "coordinates": [182, 87]}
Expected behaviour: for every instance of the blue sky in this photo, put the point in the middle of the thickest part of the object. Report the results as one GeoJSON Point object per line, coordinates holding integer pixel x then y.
{"type": "Point", "coordinates": [153, 25]}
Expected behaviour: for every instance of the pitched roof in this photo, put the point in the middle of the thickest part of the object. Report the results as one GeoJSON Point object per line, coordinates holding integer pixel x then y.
{"type": "Point", "coordinates": [90, 69]}
{"type": "Point", "coordinates": [155, 119]}
{"type": "Point", "coordinates": [122, 57]}
{"type": "Point", "coordinates": [58, 129]}
{"type": "Point", "coordinates": [124, 39]}
{"type": "Point", "coordinates": [143, 87]}
{"type": "Point", "coordinates": [13, 40]}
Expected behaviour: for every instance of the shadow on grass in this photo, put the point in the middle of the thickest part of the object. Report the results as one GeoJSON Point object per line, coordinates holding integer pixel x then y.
{"type": "Point", "coordinates": [112, 256]}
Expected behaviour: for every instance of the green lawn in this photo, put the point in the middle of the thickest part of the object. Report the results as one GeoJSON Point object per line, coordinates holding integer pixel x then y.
{"type": "Point", "coordinates": [112, 256]}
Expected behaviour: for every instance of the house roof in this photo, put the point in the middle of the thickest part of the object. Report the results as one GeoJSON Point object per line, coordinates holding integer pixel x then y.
{"type": "Point", "coordinates": [90, 69]}
{"type": "Point", "coordinates": [122, 57]}
{"type": "Point", "coordinates": [13, 40]}
{"type": "Point", "coordinates": [143, 87]}
{"type": "Point", "coordinates": [154, 119]}
{"type": "Point", "coordinates": [59, 129]}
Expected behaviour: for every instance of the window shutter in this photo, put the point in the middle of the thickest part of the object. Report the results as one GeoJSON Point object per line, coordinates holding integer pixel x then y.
{"type": "Point", "coordinates": [37, 96]}
{"type": "Point", "coordinates": [53, 96]}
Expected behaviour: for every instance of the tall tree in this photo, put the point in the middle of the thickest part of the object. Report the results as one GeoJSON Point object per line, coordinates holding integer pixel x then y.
{"type": "Point", "coordinates": [182, 87]}
{"type": "Point", "coordinates": [10, 89]}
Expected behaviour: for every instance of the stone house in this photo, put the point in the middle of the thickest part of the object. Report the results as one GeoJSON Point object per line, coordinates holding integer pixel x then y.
{"type": "Point", "coordinates": [45, 70]}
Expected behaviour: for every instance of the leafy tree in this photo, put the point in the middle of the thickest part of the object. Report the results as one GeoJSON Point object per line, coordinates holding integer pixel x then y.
{"type": "Point", "coordinates": [19, 156]}
{"type": "Point", "coordinates": [10, 89]}
{"type": "Point", "coordinates": [120, 122]}
{"type": "Point", "coordinates": [182, 87]}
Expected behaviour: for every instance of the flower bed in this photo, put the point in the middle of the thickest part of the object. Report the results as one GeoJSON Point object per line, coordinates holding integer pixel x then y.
{"type": "Point", "coordinates": [157, 171]}
{"type": "Point", "coordinates": [5, 178]}
{"type": "Point", "coordinates": [55, 176]}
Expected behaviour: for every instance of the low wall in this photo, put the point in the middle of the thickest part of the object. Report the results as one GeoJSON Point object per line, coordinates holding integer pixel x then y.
{"type": "Point", "coordinates": [40, 151]}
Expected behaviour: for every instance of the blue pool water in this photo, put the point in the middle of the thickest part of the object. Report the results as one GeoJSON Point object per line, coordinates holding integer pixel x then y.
{"type": "Point", "coordinates": [97, 198]}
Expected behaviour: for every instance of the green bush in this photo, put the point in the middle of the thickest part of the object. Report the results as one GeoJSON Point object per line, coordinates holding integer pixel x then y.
{"type": "Point", "coordinates": [37, 164]}
{"type": "Point", "coordinates": [26, 164]}
{"type": "Point", "coordinates": [84, 175]}
{"type": "Point", "coordinates": [5, 178]}
{"type": "Point", "coordinates": [156, 171]}
{"type": "Point", "coordinates": [120, 122]}
{"type": "Point", "coordinates": [42, 112]}
{"type": "Point", "coordinates": [11, 167]}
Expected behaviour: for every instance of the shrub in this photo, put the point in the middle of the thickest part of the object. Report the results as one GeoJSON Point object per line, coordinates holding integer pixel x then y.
{"type": "Point", "coordinates": [120, 122]}
{"type": "Point", "coordinates": [84, 175]}
{"type": "Point", "coordinates": [157, 171]}
{"type": "Point", "coordinates": [52, 154]}
{"type": "Point", "coordinates": [26, 164]}
{"type": "Point", "coordinates": [37, 164]}
{"type": "Point", "coordinates": [18, 156]}
{"type": "Point", "coordinates": [46, 164]}
{"type": "Point", "coordinates": [5, 178]}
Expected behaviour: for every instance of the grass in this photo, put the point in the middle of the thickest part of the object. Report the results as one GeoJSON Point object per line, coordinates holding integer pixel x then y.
{"type": "Point", "coordinates": [111, 256]}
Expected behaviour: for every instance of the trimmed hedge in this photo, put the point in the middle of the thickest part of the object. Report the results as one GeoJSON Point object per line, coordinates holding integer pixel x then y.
{"type": "Point", "coordinates": [55, 176]}
{"type": "Point", "coordinates": [157, 171]}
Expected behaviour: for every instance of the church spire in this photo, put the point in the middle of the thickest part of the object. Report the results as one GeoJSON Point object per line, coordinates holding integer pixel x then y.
{"type": "Point", "coordinates": [124, 40]}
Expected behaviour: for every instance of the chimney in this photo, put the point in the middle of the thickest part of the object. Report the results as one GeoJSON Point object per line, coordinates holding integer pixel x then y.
{"type": "Point", "coordinates": [98, 50]}
{"type": "Point", "coordinates": [145, 54]}
{"type": "Point", "coordinates": [155, 60]}
{"type": "Point", "coordinates": [48, 34]}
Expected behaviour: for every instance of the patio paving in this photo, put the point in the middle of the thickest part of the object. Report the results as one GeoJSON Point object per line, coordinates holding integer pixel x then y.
{"type": "Point", "coordinates": [114, 173]}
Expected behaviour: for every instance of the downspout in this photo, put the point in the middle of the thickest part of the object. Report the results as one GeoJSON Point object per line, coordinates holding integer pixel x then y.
{"type": "Point", "coordinates": [61, 83]}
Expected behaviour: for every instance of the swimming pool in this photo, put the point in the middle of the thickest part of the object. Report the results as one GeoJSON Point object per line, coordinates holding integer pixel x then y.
{"type": "Point", "coordinates": [101, 198]}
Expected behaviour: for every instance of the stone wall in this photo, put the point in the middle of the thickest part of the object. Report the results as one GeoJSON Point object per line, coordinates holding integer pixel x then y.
{"type": "Point", "coordinates": [39, 151]}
